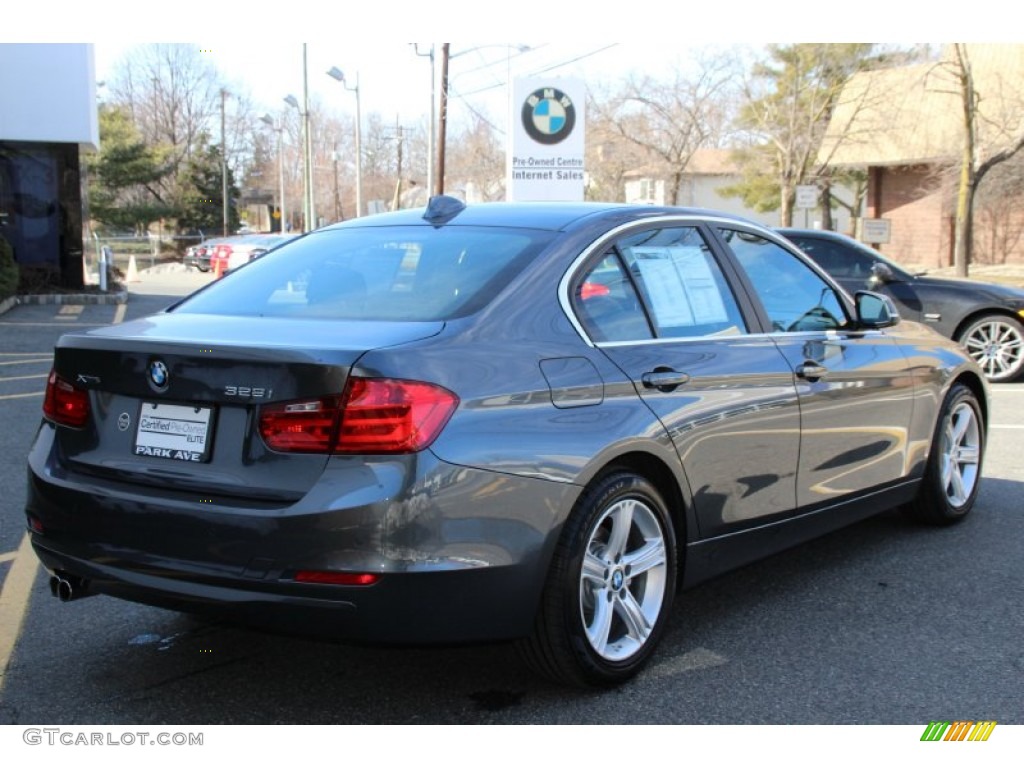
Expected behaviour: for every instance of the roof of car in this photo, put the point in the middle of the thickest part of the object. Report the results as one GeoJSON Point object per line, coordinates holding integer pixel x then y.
{"type": "Point", "coordinates": [542, 215]}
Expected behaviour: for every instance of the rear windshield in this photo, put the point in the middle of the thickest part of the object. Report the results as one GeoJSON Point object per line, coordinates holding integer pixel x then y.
{"type": "Point", "coordinates": [376, 273]}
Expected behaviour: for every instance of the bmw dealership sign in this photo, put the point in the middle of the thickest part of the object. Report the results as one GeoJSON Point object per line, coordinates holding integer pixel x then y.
{"type": "Point", "coordinates": [545, 157]}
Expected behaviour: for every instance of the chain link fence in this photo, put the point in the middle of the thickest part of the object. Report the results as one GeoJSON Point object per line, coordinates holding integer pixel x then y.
{"type": "Point", "coordinates": [147, 251]}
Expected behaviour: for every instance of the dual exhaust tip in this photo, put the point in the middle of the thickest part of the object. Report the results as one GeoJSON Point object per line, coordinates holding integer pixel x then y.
{"type": "Point", "coordinates": [66, 587]}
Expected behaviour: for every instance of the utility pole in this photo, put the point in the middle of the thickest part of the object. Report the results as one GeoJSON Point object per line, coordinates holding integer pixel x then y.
{"type": "Point", "coordinates": [442, 122]}
{"type": "Point", "coordinates": [398, 184]}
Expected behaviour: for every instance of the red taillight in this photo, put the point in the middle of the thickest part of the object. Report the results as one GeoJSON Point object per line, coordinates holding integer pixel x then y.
{"type": "Point", "coordinates": [392, 416]}
{"type": "Point", "coordinates": [372, 416]}
{"type": "Point", "coordinates": [337, 577]}
{"type": "Point", "coordinates": [306, 426]}
{"type": "Point", "coordinates": [65, 403]}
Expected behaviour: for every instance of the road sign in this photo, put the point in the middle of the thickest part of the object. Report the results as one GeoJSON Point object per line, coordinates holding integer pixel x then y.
{"type": "Point", "coordinates": [806, 196]}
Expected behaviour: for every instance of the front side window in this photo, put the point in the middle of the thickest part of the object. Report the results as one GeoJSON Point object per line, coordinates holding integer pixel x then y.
{"type": "Point", "coordinates": [795, 297]}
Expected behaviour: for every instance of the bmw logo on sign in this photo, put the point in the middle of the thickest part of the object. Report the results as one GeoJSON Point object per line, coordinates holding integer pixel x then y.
{"type": "Point", "coordinates": [548, 116]}
{"type": "Point", "coordinates": [158, 375]}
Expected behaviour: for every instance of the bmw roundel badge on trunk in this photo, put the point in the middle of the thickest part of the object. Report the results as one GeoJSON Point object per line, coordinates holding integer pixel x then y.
{"type": "Point", "coordinates": [158, 375]}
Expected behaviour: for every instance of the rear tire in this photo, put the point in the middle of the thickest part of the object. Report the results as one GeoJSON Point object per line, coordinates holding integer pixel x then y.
{"type": "Point", "coordinates": [953, 475]}
{"type": "Point", "coordinates": [610, 587]}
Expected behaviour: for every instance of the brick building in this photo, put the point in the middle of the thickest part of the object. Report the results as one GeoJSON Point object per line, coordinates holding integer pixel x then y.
{"type": "Point", "coordinates": [905, 126]}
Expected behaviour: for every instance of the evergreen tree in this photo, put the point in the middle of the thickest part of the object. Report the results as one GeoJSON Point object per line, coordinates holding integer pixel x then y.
{"type": "Point", "coordinates": [125, 174]}
{"type": "Point", "coordinates": [202, 200]}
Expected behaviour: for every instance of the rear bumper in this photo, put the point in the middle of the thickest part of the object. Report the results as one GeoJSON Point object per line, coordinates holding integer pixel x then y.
{"type": "Point", "coordinates": [462, 554]}
{"type": "Point", "coordinates": [402, 608]}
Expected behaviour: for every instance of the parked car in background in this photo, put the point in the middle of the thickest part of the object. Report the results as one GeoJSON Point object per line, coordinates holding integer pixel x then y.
{"type": "Point", "coordinates": [985, 318]}
{"type": "Point", "coordinates": [232, 252]}
{"type": "Point", "coordinates": [199, 255]}
{"type": "Point", "coordinates": [504, 421]}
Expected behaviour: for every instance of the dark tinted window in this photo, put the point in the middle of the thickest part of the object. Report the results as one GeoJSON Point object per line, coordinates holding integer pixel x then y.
{"type": "Point", "coordinates": [837, 259]}
{"type": "Point", "coordinates": [795, 297]}
{"type": "Point", "coordinates": [376, 273]}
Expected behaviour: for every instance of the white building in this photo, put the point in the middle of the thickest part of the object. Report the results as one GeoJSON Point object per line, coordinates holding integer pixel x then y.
{"type": "Point", "coordinates": [48, 116]}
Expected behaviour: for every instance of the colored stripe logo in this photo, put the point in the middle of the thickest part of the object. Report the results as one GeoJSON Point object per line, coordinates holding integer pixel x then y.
{"type": "Point", "coordinates": [958, 730]}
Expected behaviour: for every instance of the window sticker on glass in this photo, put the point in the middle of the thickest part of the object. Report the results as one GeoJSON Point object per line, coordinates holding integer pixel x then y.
{"type": "Point", "coordinates": [681, 285]}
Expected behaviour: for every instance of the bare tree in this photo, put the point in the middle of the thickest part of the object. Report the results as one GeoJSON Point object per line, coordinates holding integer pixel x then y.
{"type": "Point", "coordinates": [992, 133]}
{"type": "Point", "coordinates": [610, 157]}
{"type": "Point", "coordinates": [670, 120]}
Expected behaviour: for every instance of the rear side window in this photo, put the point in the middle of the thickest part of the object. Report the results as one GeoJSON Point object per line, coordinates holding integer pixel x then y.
{"type": "Point", "coordinates": [376, 273]}
{"type": "Point", "coordinates": [659, 283]}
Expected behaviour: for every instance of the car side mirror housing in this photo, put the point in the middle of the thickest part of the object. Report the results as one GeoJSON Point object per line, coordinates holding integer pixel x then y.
{"type": "Point", "coordinates": [880, 274]}
{"type": "Point", "coordinates": [875, 310]}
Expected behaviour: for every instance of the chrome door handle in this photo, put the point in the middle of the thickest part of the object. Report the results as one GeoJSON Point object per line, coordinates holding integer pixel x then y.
{"type": "Point", "coordinates": [811, 371]}
{"type": "Point", "coordinates": [664, 379]}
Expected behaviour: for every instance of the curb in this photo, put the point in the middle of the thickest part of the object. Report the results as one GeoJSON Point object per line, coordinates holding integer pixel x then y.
{"type": "Point", "coordinates": [118, 297]}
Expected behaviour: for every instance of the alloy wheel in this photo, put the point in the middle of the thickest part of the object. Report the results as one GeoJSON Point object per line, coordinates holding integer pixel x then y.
{"type": "Point", "coordinates": [623, 579]}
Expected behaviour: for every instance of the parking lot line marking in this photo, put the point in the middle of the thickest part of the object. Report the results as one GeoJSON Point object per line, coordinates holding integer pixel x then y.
{"type": "Point", "coordinates": [24, 394]}
{"type": "Point", "coordinates": [26, 361]}
{"type": "Point", "coordinates": [119, 313]}
{"type": "Point", "coordinates": [1006, 426]}
{"type": "Point", "coordinates": [26, 376]}
{"type": "Point", "coordinates": [8, 556]}
{"type": "Point", "coordinates": [70, 309]}
{"type": "Point", "coordinates": [14, 597]}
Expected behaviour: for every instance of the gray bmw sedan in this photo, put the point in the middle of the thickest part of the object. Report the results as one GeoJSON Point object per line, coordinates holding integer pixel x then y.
{"type": "Point", "coordinates": [529, 422]}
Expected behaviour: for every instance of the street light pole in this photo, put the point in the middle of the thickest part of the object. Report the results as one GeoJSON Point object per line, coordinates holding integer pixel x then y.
{"type": "Point", "coordinates": [306, 179]}
{"type": "Point", "coordinates": [311, 199]}
{"type": "Point", "coordinates": [224, 158]}
{"type": "Point", "coordinates": [338, 75]}
{"type": "Point", "coordinates": [280, 167]}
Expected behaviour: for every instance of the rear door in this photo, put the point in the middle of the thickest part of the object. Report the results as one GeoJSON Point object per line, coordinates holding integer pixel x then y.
{"type": "Point", "coordinates": [661, 306]}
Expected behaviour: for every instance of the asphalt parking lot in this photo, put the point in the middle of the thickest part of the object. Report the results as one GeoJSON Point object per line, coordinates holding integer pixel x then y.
{"type": "Point", "coordinates": [883, 622]}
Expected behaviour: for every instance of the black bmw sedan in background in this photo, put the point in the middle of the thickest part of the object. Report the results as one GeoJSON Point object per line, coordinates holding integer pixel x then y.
{"type": "Point", "coordinates": [985, 318]}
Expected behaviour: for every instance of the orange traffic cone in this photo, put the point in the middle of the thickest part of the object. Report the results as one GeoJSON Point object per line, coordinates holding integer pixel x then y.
{"type": "Point", "coordinates": [218, 269]}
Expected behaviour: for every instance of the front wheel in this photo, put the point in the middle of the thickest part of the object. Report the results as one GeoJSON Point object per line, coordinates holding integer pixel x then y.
{"type": "Point", "coordinates": [953, 475]}
{"type": "Point", "coordinates": [610, 587]}
{"type": "Point", "coordinates": [997, 344]}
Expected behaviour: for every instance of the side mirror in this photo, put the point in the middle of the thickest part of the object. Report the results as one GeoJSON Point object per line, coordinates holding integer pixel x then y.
{"type": "Point", "coordinates": [875, 311]}
{"type": "Point", "coordinates": [880, 274]}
